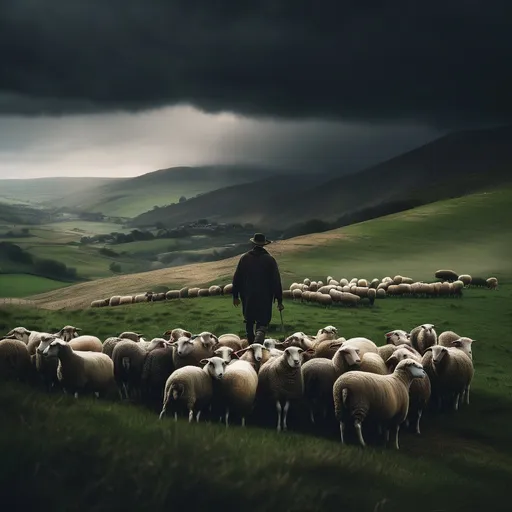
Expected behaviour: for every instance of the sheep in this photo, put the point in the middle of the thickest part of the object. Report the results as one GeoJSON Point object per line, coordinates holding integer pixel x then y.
{"type": "Point", "coordinates": [307, 281]}
{"type": "Point", "coordinates": [172, 294]}
{"type": "Point", "coordinates": [86, 343]}
{"type": "Point", "coordinates": [299, 339]}
{"type": "Point", "coordinates": [125, 299]}
{"type": "Point", "coordinates": [81, 372]}
{"type": "Point", "coordinates": [114, 300]}
{"type": "Point", "coordinates": [238, 390]}
{"type": "Point", "coordinates": [183, 292]}
{"type": "Point", "coordinates": [226, 353]}
{"type": "Point", "coordinates": [47, 367]}
{"type": "Point", "coordinates": [190, 351]}
{"type": "Point", "coordinates": [386, 351]}
{"type": "Point", "coordinates": [15, 361]}
{"type": "Point", "coordinates": [157, 367]}
{"type": "Point", "coordinates": [419, 391]}
{"type": "Point", "coordinates": [446, 275]}
{"type": "Point", "coordinates": [398, 337]}
{"type": "Point", "coordinates": [203, 292]}
{"type": "Point", "coordinates": [280, 380]}
{"type": "Point", "coordinates": [358, 395]}
{"type": "Point", "coordinates": [191, 386]}
{"type": "Point", "coordinates": [193, 292]}
{"type": "Point", "coordinates": [373, 363]}
{"type": "Point", "coordinates": [128, 358]}
{"type": "Point", "coordinates": [452, 371]}
{"type": "Point", "coordinates": [228, 289]}
{"type": "Point", "coordinates": [452, 339]}
{"type": "Point", "coordinates": [465, 278]}
{"type": "Point", "coordinates": [130, 335]}
{"type": "Point", "coordinates": [256, 354]}
{"type": "Point", "coordinates": [20, 333]}
{"type": "Point", "coordinates": [109, 344]}
{"type": "Point", "coordinates": [423, 337]}
{"type": "Point", "coordinates": [176, 334]}
{"type": "Point", "coordinates": [99, 303]}
{"type": "Point", "coordinates": [141, 297]}
{"type": "Point", "coordinates": [492, 283]}
{"type": "Point", "coordinates": [363, 344]}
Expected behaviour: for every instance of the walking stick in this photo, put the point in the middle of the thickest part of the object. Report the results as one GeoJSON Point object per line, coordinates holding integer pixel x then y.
{"type": "Point", "coordinates": [282, 323]}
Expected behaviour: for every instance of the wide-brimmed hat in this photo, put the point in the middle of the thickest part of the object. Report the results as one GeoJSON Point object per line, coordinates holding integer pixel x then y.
{"type": "Point", "coordinates": [260, 239]}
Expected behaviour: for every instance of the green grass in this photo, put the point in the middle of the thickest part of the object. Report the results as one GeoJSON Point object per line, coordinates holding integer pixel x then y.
{"type": "Point", "coordinates": [105, 455]}
{"type": "Point", "coordinates": [469, 235]}
{"type": "Point", "coordinates": [22, 285]}
{"type": "Point", "coordinates": [79, 228]}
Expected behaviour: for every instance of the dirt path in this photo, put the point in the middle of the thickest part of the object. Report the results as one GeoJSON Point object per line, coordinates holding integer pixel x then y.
{"type": "Point", "coordinates": [81, 295]}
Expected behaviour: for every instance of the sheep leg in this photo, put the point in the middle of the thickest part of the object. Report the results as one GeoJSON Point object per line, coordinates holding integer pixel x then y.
{"type": "Point", "coordinates": [243, 421]}
{"type": "Point", "coordinates": [342, 427]}
{"type": "Point", "coordinates": [278, 407]}
{"type": "Point", "coordinates": [226, 417]}
{"type": "Point", "coordinates": [420, 412]}
{"type": "Point", "coordinates": [190, 415]}
{"type": "Point", "coordinates": [125, 389]}
{"type": "Point", "coordinates": [467, 395]}
{"type": "Point", "coordinates": [456, 402]}
{"type": "Point", "coordinates": [312, 416]}
{"type": "Point", "coordinates": [162, 414]}
{"type": "Point", "coordinates": [396, 436]}
{"type": "Point", "coordinates": [76, 394]}
{"type": "Point", "coordinates": [285, 415]}
{"type": "Point", "coordinates": [357, 425]}
{"type": "Point", "coordinates": [197, 416]}
{"type": "Point", "coordinates": [175, 416]}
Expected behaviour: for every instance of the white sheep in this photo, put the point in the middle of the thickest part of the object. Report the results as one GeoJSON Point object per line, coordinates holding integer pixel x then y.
{"type": "Point", "coordinates": [280, 381]}
{"type": "Point", "coordinates": [238, 390]}
{"type": "Point", "coordinates": [191, 386]}
{"type": "Point", "coordinates": [14, 360]}
{"type": "Point", "coordinates": [452, 339]}
{"type": "Point", "coordinates": [363, 344]}
{"type": "Point", "coordinates": [190, 351]}
{"type": "Point", "coordinates": [492, 283]}
{"type": "Point", "coordinates": [385, 398]}
{"type": "Point", "coordinates": [256, 354]}
{"type": "Point", "coordinates": [398, 337]}
{"type": "Point", "coordinates": [82, 372]}
{"type": "Point", "coordinates": [452, 372]}
{"type": "Point", "coordinates": [423, 337]}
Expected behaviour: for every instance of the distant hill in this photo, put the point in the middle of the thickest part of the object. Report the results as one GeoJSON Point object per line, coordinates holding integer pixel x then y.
{"type": "Point", "coordinates": [45, 190]}
{"type": "Point", "coordinates": [134, 196]}
{"type": "Point", "coordinates": [451, 166]}
{"type": "Point", "coordinates": [15, 214]}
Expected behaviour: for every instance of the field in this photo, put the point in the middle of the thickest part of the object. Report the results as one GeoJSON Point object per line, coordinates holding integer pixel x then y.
{"type": "Point", "coordinates": [21, 285]}
{"type": "Point", "coordinates": [120, 453]}
{"type": "Point", "coordinates": [469, 234]}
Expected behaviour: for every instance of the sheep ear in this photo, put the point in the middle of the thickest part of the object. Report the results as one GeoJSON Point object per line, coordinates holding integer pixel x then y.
{"type": "Point", "coordinates": [309, 351]}
{"type": "Point", "coordinates": [336, 344]}
{"type": "Point", "coordinates": [77, 329]}
{"type": "Point", "coordinates": [10, 333]}
{"type": "Point", "coordinates": [204, 361]}
{"type": "Point", "coordinates": [429, 349]}
{"type": "Point", "coordinates": [300, 350]}
{"type": "Point", "coordinates": [234, 354]}
{"type": "Point", "coordinates": [242, 351]}
{"type": "Point", "coordinates": [167, 333]}
{"type": "Point", "coordinates": [389, 334]}
{"type": "Point", "coordinates": [456, 343]}
{"type": "Point", "coordinates": [188, 334]}
{"type": "Point", "coordinates": [358, 350]}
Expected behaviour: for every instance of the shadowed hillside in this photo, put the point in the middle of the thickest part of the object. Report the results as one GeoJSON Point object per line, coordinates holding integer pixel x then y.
{"type": "Point", "coordinates": [130, 197]}
{"type": "Point", "coordinates": [451, 166]}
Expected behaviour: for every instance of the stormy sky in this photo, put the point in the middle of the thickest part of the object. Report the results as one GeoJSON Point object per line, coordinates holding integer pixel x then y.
{"type": "Point", "coordinates": [122, 87]}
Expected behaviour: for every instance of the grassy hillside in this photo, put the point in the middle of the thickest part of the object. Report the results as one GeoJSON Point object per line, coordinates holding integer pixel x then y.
{"type": "Point", "coordinates": [469, 234]}
{"type": "Point", "coordinates": [451, 166]}
{"type": "Point", "coordinates": [110, 456]}
{"type": "Point", "coordinates": [134, 196]}
{"type": "Point", "coordinates": [21, 285]}
{"type": "Point", "coordinates": [43, 190]}
{"type": "Point", "coordinates": [15, 214]}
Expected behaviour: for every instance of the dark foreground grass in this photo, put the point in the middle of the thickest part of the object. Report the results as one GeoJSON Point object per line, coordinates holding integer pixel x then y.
{"type": "Point", "coordinates": [88, 455]}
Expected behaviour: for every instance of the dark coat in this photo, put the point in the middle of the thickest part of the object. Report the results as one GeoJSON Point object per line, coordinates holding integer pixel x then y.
{"type": "Point", "coordinates": [258, 283]}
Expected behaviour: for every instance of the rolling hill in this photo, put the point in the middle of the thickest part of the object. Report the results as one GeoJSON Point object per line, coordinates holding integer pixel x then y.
{"type": "Point", "coordinates": [451, 166]}
{"type": "Point", "coordinates": [129, 197]}
{"type": "Point", "coordinates": [46, 190]}
{"type": "Point", "coordinates": [470, 234]}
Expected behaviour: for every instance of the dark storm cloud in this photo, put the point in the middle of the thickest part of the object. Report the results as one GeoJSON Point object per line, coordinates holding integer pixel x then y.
{"type": "Point", "coordinates": [438, 61]}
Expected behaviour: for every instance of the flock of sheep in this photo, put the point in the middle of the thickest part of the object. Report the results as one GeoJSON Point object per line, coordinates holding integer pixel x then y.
{"type": "Point", "coordinates": [343, 292]}
{"type": "Point", "coordinates": [348, 381]}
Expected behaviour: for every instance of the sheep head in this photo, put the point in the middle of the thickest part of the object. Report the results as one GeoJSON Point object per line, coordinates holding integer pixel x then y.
{"type": "Point", "coordinates": [438, 352]}
{"type": "Point", "coordinates": [464, 344]}
{"type": "Point", "coordinates": [68, 332]}
{"type": "Point", "coordinates": [293, 356]}
{"type": "Point", "coordinates": [20, 333]}
{"type": "Point", "coordinates": [46, 339]}
{"type": "Point", "coordinates": [226, 353]}
{"type": "Point", "coordinates": [214, 366]}
{"type": "Point", "coordinates": [351, 355]}
{"type": "Point", "coordinates": [412, 367]}
{"type": "Point", "coordinates": [397, 337]}
{"type": "Point", "coordinates": [184, 346]}
{"type": "Point", "coordinates": [176, 334]}
{"type": "Point", "coordinates": [54, 348]}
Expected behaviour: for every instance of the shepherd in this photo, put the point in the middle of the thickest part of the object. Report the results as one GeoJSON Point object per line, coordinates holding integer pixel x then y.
{"type": "Point", "coordinates": [257, 282]}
